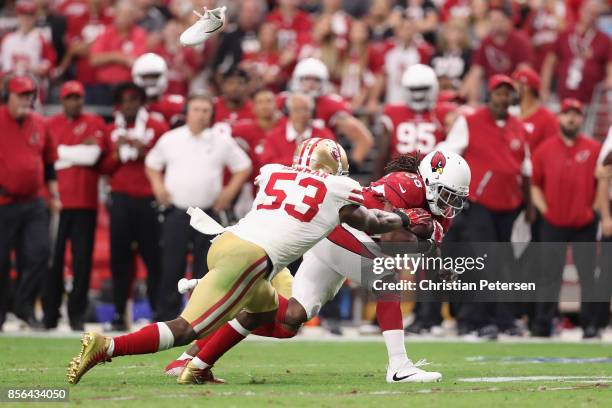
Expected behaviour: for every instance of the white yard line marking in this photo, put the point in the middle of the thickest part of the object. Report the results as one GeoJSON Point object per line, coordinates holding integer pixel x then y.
{"type": "Point", "coordinates": [577, 378]}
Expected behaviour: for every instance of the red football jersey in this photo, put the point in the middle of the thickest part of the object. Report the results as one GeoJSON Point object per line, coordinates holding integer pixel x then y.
{"type": "Point", "coordinates": [250, 136]}
{"type": "Point", "coordinates": [539, 126]}
{"type": "Point", "coordinates": [412, 131]}
{"type": "Point", "coordinates": [224, 114]}
{"type": "Point", "coordinates": [170, 107]}
{"type": "Point", "coordinates": [78, 185]}
{"type": "Point", "coordinates": [129, 177]}
{"type": "Point", "coordinates": [399, 189]}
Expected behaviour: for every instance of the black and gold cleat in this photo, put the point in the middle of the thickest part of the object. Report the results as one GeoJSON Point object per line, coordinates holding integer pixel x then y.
{"type": "Point", "coordinates": [194, 375]}
{"type": "Point", "coordinates": [93, 351]}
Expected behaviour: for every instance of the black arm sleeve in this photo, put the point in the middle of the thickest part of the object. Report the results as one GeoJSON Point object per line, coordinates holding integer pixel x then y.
{"type": "Point", "coordinates": [50, 172]}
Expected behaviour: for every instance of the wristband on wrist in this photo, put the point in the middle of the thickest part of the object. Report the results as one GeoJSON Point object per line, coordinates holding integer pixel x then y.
{"type": "Point", "coordinates": [404, 217]}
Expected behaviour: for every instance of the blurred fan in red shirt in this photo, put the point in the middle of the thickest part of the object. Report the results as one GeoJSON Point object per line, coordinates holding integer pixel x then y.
{"type": "Point", "coordinates": [361, 69]}
{"type": "Point", "coordinates": [268, 65]}
{"type": "Point", "coordinates": [582, 57]}
{"type": "Point", "coordinates": [542, 25]}
{"type": "Point", "coordinates": [294, 25]}
{"type": "Point", "coordinates": [87, 20]}
{"type": "Point", "coordinates": [540, 123]}
{"type": "Point", "coordinates": [501, 52]}
{"type": "Point", "coordinates": [114, 52]}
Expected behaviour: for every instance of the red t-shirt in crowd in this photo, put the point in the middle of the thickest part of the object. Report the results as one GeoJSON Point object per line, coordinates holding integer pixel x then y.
{"type": "Point", "coordinates": [411, 131]}
{"type": "Point", "coordinates": [134, 44]}
{"type": "Point", "coordinates": [78, 185]}
{"type": "Point", "coordinates": [566, 176]}
{"type": "Point", "coordinates": [224, 114]}
{"type": "Point", "coordinates": [278, 148]}
{"type": "Point", "coordinates": [83, 25]}
{"type": "Point", "coordinates": [495, 154]}
{"type": "Point", "coordinates": [581, 63]}
{"type": "Point", "coordinates": [25, 149]}
{"type": "Point", "coordinates": [503, 58]}
{"type": "Point", "coordinates": [129, 177]}
{"type": "Point", "coordinates": [539, 126]}
{"type": "Point", "coordinates": [293, 31]}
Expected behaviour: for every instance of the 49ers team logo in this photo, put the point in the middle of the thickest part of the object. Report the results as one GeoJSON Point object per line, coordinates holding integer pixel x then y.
{"type": "Point", "coordinates": [438, 161]}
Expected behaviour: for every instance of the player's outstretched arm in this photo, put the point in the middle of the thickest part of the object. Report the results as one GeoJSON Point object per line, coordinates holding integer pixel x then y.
{"type": "Point", "coordinates": [372, 221]}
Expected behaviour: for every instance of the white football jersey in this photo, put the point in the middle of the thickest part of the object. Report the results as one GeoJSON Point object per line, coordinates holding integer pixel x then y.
{"type": "Point", "coordinates": [294, 209]}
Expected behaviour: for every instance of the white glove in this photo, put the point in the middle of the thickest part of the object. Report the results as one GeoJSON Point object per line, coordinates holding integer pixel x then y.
{"type": "Point", "coordinates": [187, 285]}
{"type": "Point", "coordinates": [127, 153]}
{"type": "Point", "coordinates": [204, 223]}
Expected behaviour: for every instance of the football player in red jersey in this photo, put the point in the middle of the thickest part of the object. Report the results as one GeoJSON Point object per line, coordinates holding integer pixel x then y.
{"type": "Point", "coordinates": [311, 77]}
{"type": "Point", "coordinates": [234, 104]}
{"type": "Point", "coordinates": [413, 126]}
{"type": "Point", "coordinates": [437, 186]}
{"type": "Point", "coordinates": [150, 72]}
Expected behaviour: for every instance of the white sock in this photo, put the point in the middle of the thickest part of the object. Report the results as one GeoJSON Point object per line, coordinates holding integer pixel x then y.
{"type": "Point", "coordinates": [166, 338]}
{"type": "Point", "coordinates": [396, 349]}
{"type": "Point", "coordinates": [111, 348]}
{"type": "Point", "coordinates": [184, 356]}
{"type": "Point", "coordinates": [198, 363]}
{"type": "Point", "coordinates": [239, 328]}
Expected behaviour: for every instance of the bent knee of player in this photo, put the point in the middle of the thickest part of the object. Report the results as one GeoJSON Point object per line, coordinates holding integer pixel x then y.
{"type": "Point", "coordinates": [295, 315]}
{"type": "Point", "coordinates": [182, 331]}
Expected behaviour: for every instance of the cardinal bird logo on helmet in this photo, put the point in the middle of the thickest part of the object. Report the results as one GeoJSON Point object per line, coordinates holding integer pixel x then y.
{"type": "Point", "coordinates": [438, 161]}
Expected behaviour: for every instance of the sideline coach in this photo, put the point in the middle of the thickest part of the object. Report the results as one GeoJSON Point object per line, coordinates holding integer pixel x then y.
{"type": "Point", "coordinates": [27, 155]}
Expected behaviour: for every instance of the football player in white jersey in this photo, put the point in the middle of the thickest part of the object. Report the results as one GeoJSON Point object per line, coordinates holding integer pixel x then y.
{"type": "Point", "coordinates": [294, 209]}
{"type": "Point", "coordinates": [346, 252]}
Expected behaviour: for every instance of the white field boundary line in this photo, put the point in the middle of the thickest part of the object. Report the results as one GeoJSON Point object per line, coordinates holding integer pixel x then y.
{"type": "Point", "coordinates": [211, 392]}
{"type": "Point", "coordinates": [549, 378]}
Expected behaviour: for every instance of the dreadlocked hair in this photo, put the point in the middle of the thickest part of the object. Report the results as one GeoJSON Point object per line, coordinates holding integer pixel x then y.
{"type": "Point", "coordinates": [404, 162]}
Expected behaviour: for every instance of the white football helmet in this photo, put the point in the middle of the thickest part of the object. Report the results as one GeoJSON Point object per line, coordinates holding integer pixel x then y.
{"type": "Point", "coordinates": [310, 68]}
{"type": "Point", "coordinates": [447, 182]}
{"type": "Point", "coordinates": [150, 72]}
{"type": "Point", "coordinates": [420, 87]}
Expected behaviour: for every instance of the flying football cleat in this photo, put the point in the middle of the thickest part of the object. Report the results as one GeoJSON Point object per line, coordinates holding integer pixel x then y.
{"type": "Point", "coordinates": [194, 375]}
{"type": "Point", "coordinates": [209, 23]}
{"type": "Point", "coordinates": [176, 367]}
{"type": "Point", "coordinates": [93, 351]}
{"type": "Point", "coordinates": [410, 372]}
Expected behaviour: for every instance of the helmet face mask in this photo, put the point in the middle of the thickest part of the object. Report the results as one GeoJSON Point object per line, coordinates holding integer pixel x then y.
{"type": "Point", "coordinates": [447, 181]}
{"type": "Point", "coordinates": [421, 87]}
{"type": "Point", "coordinates": [446, 202]}
{"type": "Point", "coordinates": [150, 72]}
{"type": "Point", "coordinates": [419, 98]}
{"type": "Point", "coordinates": [310, 77]}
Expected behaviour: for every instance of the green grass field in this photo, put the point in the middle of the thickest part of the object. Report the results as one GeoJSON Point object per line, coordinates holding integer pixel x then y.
{"type": "Point", "coordinates": [321, 374]}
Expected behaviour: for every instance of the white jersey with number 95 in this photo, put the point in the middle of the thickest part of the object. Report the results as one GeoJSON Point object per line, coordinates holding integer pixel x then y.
{"type": "Point", "coordinates": [294, 209]}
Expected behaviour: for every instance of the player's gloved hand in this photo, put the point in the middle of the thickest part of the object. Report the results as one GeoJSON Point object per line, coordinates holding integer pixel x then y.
{"type": "Point", "coordinates": [417, 220]}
